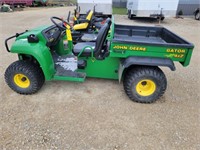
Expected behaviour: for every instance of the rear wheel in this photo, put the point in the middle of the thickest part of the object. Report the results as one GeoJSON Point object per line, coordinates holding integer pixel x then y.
{"type": "Point", "coordinates": [145, 84]}
{"type": "Point", "coordinates": [24, 77]}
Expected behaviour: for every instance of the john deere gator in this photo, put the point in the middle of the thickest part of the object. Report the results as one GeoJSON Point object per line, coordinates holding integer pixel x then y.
{"type": "Point", "coordinates": [130, 54]}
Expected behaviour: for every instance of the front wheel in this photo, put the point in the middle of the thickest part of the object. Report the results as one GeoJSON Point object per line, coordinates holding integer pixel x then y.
{"type": "Point", "coordinates": [24, 77]}
{"type": "Point", "coordinates": [145, 84]}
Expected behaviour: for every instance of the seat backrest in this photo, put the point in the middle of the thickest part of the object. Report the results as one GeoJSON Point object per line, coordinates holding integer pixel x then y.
{"type": "Point", "coordinates": [89, 15]}
{"type": "Point", "coordinates": [108, 20]}
{"type": "Point", "coordinates": [101, 38]}
{"type": "Point", "coordinates": [84, 25]}
{"type": "Point", "coordinates": [89, 18]}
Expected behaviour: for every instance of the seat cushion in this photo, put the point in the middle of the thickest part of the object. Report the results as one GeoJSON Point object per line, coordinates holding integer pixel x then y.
{"type": "Point", "coordinates": [79, 46]}
{"type": "Point", "coordinates": [89, 37]}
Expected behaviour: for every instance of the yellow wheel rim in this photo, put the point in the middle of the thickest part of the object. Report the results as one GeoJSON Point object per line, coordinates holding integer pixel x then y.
{"type": "Point", "coordinates": [145, 87]}
{"type": "Point", "coordinates": [21, 80]}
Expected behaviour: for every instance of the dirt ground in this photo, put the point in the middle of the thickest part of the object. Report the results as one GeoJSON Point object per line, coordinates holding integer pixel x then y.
{"type": "Point", "coordinates": [97, 114]}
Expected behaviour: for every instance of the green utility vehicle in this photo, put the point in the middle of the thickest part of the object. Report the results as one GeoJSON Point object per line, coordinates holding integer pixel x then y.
{"type": "Point", "coordinates": [132, 54]}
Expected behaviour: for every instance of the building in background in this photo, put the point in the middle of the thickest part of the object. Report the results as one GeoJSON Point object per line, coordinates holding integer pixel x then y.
{"type": "Point", "coordinates": [188, 6]}
{"type": "Point", "coordinates": [101, 6]}
{"type": "Point", "coordinates": [119, 3]}
{"type": "Point", "coordinates": [152, 8]}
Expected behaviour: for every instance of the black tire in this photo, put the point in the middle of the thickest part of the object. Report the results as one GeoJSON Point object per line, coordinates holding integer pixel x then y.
{"type": "Point", "coordinates": [24, 77]}
{"type": "Point", "coordinates": [141, 76]}
{"type": "Point", "coordinates": [162, 18]}
{"type": "Point", "coordinates": [197, 16]}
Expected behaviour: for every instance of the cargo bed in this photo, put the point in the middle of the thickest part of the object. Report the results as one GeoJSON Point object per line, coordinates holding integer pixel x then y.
{"type": "Point", "coordinates": [149, 42]}
{"type": "Point", "coordinates": [148, 35]}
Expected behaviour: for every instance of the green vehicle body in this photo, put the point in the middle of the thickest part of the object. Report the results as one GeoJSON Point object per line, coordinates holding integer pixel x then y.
{"type": "Point", "coordinates": [107, 68]}
{"type": "Point", "coordinates": [132, 54]}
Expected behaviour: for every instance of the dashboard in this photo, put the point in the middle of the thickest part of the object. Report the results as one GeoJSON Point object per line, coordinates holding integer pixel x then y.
{"type": "Point", "coordinates": [52, 35]}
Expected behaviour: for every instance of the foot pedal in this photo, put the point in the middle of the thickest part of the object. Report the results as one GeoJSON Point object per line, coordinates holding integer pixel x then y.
{"type": "Point", "coordinates": [82, 64]}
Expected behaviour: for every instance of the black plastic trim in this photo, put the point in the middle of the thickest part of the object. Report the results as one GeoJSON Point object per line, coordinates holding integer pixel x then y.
{"type": "Point", "coordinates": [148, 61]}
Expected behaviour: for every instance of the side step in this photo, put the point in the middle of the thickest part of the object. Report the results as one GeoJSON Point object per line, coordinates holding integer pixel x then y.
{"type": "Point", "coordinates": [67, 78]}
{"type": "Point", "coordinates": [66, 68]}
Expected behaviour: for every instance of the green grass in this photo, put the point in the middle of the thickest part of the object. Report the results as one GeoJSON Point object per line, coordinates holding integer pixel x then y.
{"type": "Point", "coordinates": [73, 1]}
{"type": "Point", "coordinates": [119, 11]}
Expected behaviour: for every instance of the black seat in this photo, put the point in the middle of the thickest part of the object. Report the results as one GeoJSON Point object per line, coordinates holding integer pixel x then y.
{"type": "Point", "coordinates": [92, 37]}
{"type": "Point", "coordinates": [96, 46]}
{"type": "Point", "coordinates": [89, 37]}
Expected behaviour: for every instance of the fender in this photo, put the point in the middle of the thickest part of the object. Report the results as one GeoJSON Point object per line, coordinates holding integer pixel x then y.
{"type": "Point", "coordinates": [39, 51]}
{"type": "Point", "coordinates": [146, 61]}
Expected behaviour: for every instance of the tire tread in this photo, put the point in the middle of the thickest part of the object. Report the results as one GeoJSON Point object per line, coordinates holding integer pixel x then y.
{"type": "Point", "coordinates": [139, 71]}
{"type": "Point", "coordinates": [33, 71]}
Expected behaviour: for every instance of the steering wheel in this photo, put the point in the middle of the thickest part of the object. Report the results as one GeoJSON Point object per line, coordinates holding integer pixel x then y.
{"type": "Point", "coordinates": [60, 26]}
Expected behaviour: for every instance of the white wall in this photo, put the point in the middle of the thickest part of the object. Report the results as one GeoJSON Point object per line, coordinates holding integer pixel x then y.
{"type": "Point", "coordinates": [157, 4]}
{"type": "Point", "coordinates": [147, 7]}
{"type": "Point", "coordinates": [95, 1]}
{"type": "Point", "coordinates": [104, 6]}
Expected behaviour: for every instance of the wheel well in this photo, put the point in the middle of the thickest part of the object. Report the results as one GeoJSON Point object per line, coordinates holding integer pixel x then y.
{"type": "Point", "coordinates": [29, 58]}
{"type": "Point", "coordinates": [132, 67]}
